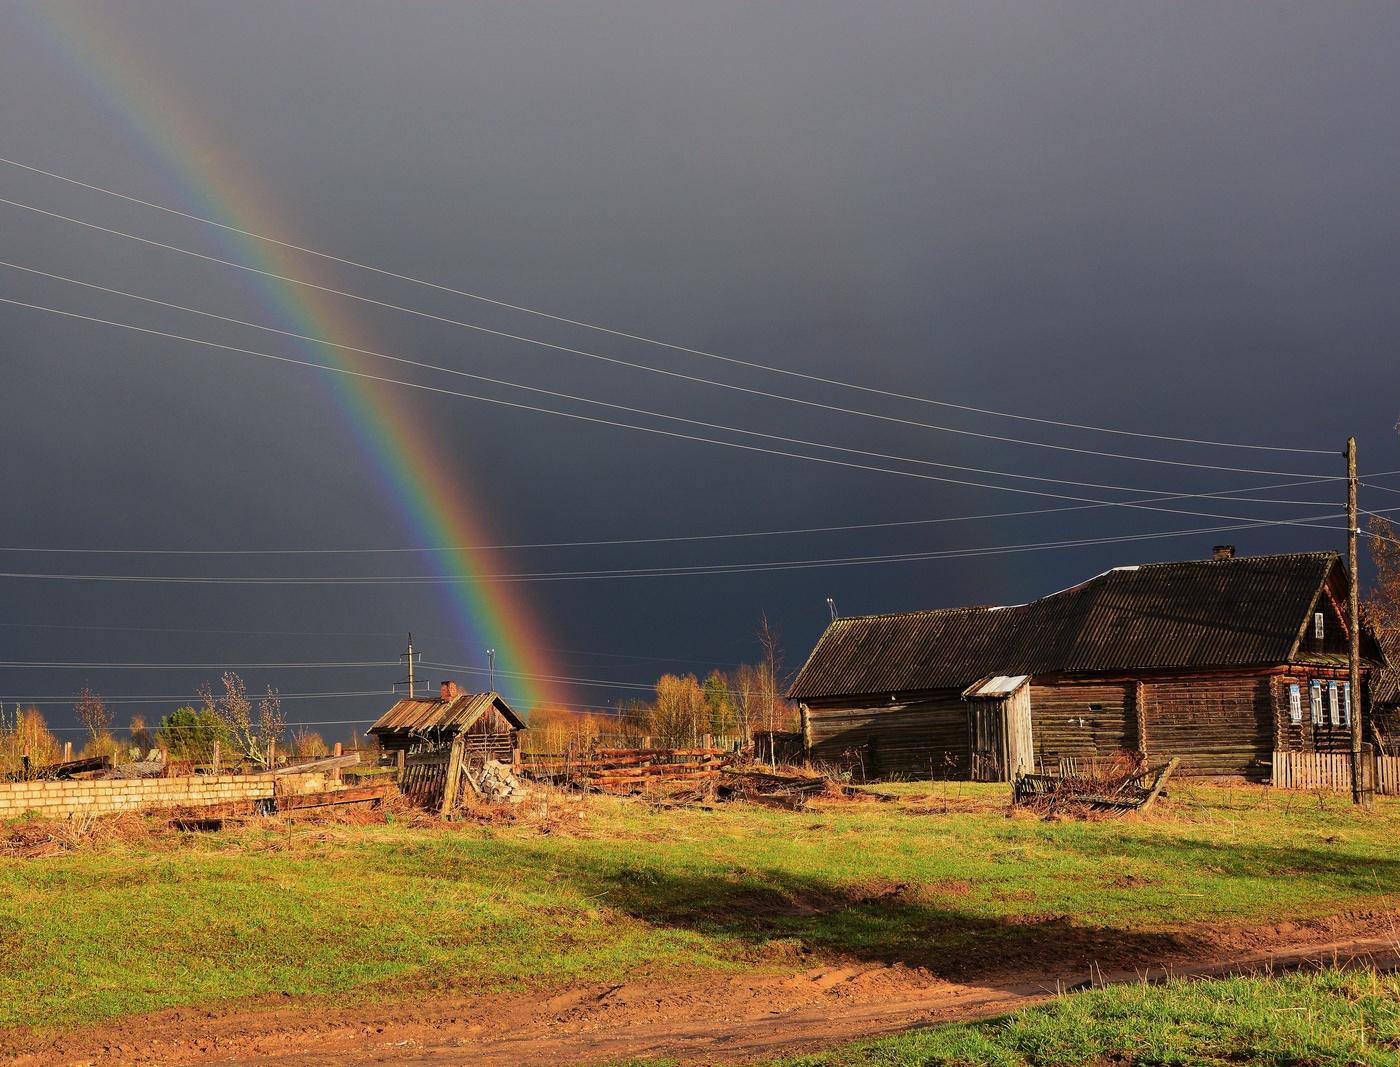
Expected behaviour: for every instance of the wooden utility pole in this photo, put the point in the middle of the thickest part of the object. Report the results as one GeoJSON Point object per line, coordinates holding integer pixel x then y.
{"type": "Point", "coordinates": [1354, 627]}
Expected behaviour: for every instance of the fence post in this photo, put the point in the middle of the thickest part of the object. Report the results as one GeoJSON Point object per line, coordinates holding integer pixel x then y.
{"type": "Point", "coordinates": [67, 751]}
{"type": "Point", "coordinates": [400, 765]}
{"type": "Point", "coordinates": [216, 757]}
{"type": "Point", "coordinates": [1366, 766]}
{"type": "Point", "coordinates": [339, 751]}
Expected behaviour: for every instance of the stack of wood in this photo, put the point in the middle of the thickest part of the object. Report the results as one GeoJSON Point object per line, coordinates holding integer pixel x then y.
{"type": "Point", "coordinates": [494, 782]}
{"type": "Point", "coordinates": [626, 770]}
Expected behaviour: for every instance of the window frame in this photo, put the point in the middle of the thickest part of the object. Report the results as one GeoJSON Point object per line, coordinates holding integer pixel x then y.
{"type": "Point", "coordinates": [1295, 702]}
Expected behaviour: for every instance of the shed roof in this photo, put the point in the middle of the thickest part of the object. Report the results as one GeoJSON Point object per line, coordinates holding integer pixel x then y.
{"type": "Point", "coordinates": [443, 716]}
{"type": "Point", "coordinates": [1245, 611]}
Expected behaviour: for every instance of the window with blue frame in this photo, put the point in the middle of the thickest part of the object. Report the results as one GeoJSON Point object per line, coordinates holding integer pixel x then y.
{"type": "Point", "coordinates": [1346, 702]}
{"type": "Point", "coordinates": [1315, 700]}
{"type": "Point", "coordinates": [1295, 703]}
{"type": "Point", "coordinates": [1334, 708]}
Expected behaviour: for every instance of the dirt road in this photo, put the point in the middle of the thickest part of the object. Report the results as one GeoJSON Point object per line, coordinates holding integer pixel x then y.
{"type": "Point", "coordinates": [706, 1020]}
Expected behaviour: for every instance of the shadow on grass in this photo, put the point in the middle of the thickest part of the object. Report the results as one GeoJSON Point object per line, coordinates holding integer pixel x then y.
{"type": "Point", "coordinates": [877, 920]}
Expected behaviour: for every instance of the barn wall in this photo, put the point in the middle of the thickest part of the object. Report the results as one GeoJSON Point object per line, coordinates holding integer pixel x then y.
{"type": "Point", "coordinates": [1084, 720]}
{"type": "Point", "coordinates": [924, 738]}
{"type": "Point", "coordinates": [1216, 725]}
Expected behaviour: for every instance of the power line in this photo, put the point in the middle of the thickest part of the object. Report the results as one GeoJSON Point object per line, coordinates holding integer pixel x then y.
{"type": "Point", "coordinates": [621, 333]}
{"type": "Point", "coordinates": [66, 665]}
{"type": "Point", "coordinates": [661, 572]}
{"type": "Point", "coordinates": [673, 433]}
{"type": "Point", "coordinates": [608, 359]}
{"type": "Point", "coordinates": [1227, 495]}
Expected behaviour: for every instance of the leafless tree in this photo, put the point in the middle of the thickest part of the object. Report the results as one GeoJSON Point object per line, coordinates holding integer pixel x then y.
{"type": "Point", "coordinates": [92, 712]}
{"type": "Point", "coordinates": [252, 736]}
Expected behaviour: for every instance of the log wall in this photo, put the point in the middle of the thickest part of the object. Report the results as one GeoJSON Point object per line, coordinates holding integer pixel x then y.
{"type": "Point", "coordinates": [924, 739]}
{"type": "Point", "coordinates": [1084, 721]}
{"type": "Point", "coordinates": [1220, 725]}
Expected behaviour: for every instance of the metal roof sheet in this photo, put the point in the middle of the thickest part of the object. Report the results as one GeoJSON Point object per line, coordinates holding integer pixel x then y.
{"type": "Point", "coordinates": [1200, 613]}
{"type": "Point", "coordinates": [422, 716]}
{"type": "Point", "coordinates": [998, 686]}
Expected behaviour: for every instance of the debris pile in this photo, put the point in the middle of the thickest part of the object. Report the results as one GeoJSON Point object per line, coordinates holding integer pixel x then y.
{"type": "Point", "coordinates": [790, 791]}
{"type": "Point", "coordinates": [1129, 785]}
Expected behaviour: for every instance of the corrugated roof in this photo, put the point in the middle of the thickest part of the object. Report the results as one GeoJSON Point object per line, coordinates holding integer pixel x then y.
{"type": "Point", "coordinates": [1385, 685]}
{"type": "Point", "coordinates": [423, 716]}
{"type": "Point", "coordinates": [1200, 613]}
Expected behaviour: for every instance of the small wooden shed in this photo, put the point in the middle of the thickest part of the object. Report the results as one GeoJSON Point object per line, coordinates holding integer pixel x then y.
{"type": "Point", "coordinates": [999, 728]}
{"type": "Point", "coordinates": [488, 727]}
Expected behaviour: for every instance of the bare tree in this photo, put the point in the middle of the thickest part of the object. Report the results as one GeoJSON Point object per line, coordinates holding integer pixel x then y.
{"type": "Point", "coordinates": [776, 709]}
{"type": "Point", "coordinates": [92, 712]}
{"type": "Point", "coordinates": [235, 710]}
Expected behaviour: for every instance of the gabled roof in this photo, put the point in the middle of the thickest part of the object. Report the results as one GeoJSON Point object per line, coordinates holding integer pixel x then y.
{"type": "Point", "coordinates": [1246, 611]}
{"type": "Point", "coordinates": [443, 716]}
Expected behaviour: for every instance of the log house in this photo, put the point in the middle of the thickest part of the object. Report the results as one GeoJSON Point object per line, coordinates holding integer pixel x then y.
{"type": "Point", "coordinates": [1219, 662]}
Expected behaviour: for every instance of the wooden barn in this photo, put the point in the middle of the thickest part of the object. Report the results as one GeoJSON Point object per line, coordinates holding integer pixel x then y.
{"type": "Point", "coordinates": [487, 726]}
{"type": "Point", "coordinates": [1219, 662]}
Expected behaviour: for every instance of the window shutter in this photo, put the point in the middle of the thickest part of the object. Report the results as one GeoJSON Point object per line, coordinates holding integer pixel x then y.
{"type": "Point", "coordinates": [1315, 700]}
{"type": "Point", "coordinates": [1295, 703]}
{"type": "Point", "coordinates": [1333, 708]}
{"type": "Point", "coordinates": [1346, 701]}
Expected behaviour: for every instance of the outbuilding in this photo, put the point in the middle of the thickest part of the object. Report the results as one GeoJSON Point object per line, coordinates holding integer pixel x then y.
{"type": "Point", "coordinates": [488, 727]}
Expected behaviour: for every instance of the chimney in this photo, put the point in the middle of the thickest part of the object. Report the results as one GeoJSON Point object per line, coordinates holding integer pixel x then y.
{"type": "Point", "coordinates": [449, 691]}
{"type": "Point", "coordinates": [1224, 552]}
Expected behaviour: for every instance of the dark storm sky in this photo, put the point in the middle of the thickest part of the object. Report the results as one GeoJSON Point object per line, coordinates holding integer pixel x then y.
{"type": "Point", "coordinates": [1174, 219]}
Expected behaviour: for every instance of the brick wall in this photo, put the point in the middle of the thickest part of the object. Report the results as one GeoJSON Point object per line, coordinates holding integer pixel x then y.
{"type": "Point", "coordinates": [59, 799]}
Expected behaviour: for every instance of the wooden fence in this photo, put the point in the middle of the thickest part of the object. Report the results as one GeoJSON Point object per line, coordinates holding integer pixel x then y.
{"type": "Point", "coordinates": [1331, 772]}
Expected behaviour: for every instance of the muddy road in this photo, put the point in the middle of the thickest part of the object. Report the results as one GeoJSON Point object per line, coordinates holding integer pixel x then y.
{"type": "Point", "coordinates": [711, 1019]}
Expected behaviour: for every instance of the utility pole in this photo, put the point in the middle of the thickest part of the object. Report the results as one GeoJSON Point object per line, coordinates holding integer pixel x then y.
{"type": "Point", "coordinates": [1354, 627]}
{"type": "Point", "coordinates": [491, 667]}
{"type": "Point", "coordinates": [408, 654]}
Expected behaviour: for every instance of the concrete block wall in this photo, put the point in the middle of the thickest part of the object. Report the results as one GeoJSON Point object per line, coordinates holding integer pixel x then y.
{"type": "Point", "coordinates": [60, 799]}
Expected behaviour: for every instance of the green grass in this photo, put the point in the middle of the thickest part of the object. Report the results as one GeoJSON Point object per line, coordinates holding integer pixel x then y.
{"type": "Point", "coordinates": [374, 912]}
{"type": "Point", "coordinates": [1306, 1019]}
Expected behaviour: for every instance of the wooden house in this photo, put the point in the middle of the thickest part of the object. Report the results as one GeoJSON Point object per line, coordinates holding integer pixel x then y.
{"type": "Point", "coordinates": [488, 727]}
{"type": "Point", "coordinates": [1219, 662]}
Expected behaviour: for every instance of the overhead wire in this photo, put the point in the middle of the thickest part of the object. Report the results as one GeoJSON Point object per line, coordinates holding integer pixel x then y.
{"type": "Point", "coordinates": [1227, 495]}
{"type": "Point", "coordinates": [642, 338]}
{"type": "Point", "coordinates": [1317, 522]}
{"type": "Point", "coordinates": [439, 390]}
{"type": "Point", "coordinates": [592, 355]}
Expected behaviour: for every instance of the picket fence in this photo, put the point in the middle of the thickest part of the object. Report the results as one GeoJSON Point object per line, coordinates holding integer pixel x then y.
{"type": "Point", "coordinates": [1331, 772]}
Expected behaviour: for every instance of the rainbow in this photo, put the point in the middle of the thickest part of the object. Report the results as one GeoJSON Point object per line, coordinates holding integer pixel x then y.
{"type": "Point", "coordinates": [412, 469]}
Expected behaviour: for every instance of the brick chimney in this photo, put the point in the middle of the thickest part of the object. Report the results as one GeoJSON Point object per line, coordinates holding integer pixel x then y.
{"type": "Point", "coordinates": [1224, 552]}
{"type": "Point", "coordinates": [449, 691]}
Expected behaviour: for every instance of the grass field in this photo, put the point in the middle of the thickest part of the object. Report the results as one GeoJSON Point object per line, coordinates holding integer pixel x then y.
{"type": "Point", "coordinates": [135, 923]}
{"type": "Point", "coordinates": [1313, 1019]}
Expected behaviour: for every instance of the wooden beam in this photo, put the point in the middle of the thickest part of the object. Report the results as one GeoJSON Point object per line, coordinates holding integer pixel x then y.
{"type": "Point", "coordinates": [454, 776]}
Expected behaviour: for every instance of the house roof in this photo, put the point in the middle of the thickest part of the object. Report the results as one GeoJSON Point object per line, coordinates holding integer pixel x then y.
{"type": "Point", "coordinates": [1249, 610]}
{"type": "Point", "coordinates": [443, 716]}
{"type": "Point", "coordinates": [1385, 684]}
